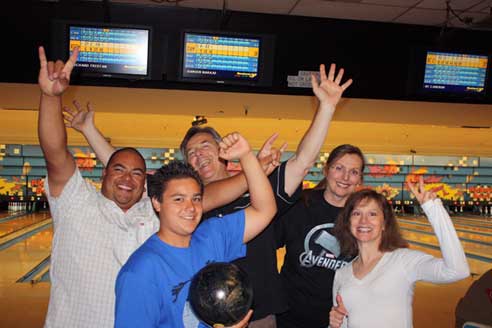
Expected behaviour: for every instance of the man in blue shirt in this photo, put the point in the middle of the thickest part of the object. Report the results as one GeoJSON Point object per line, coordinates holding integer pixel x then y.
{"type": "Point", "coordinates": [152, 287]}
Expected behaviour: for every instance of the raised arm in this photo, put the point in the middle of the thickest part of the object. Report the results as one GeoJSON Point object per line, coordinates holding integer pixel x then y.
{"type": "Point", "coordinates": [222, 192]}
{"type": "Point", "coordinates": [82, 120]}
{"type": "Point", "coordinates": [328, 91]}
{"type": "Point", "coordinates": [53, 80]}
{"type": "Point", "coordinates": [269, 156]}
{"type": "Point", "coordinates": [453, 266]}
{"type": "Point", "coordinates": [263, 208]}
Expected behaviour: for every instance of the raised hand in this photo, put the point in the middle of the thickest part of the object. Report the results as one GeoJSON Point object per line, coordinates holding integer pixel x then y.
{"type": "Point", "coordinates": [269, 156]}
{"type": "Point", "coordinates": [419, 191]}
{"type": "Point", "coordinates": [241, 324]}
{"type": "Point", "coordinates": [79, 118]}
{"type": "Point", "coordinates": [233, 146]}
{"type": "Point", "coordinates": [328, 89]}
{"type": "Point", "coordinates": [54, 77]}
{"type": "Point", "coordinates": [338, 313]}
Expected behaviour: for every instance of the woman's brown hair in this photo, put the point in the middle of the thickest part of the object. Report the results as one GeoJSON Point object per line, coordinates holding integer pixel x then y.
{"type": "Point", "coordinates": [335, 154]}
{"type": "Point", "coordinates": [391, 238]}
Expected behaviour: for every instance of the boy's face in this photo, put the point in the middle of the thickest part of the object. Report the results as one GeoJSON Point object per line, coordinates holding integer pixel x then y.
{"type": "Point", "coordinates": [180, 211]}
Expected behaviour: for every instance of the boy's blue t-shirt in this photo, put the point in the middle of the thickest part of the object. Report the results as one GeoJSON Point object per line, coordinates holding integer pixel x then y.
{"type": "Point", "coordinates": [152, 287]}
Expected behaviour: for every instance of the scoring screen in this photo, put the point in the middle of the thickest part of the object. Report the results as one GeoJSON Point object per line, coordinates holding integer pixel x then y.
{"type": "Point", "coordinates": [451, 72]}
{"type": "Point", "coordinates": [220, 57]}
{"type": "Point", "coordinates": [111, 50]}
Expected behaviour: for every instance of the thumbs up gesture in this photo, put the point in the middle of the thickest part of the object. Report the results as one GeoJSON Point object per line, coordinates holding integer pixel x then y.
{"type": "Point", "coordinates": [338, 313]}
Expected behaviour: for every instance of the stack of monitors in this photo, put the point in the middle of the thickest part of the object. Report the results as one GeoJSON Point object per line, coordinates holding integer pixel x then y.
{"type": "Point", "coordinates": [447, 72]}
{"type": "Point", "coordinates": [218, 58]}
{"type": "Point", "coordinates": [111, 51]}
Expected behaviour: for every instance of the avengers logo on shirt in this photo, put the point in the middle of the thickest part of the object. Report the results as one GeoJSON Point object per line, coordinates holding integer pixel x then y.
{"type": "Point", "coordinates": [321, 249]}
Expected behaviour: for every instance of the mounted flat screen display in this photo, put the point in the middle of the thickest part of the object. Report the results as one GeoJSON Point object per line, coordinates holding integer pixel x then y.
{"type": "Point", "coordinates": [447, 72]}
{"type": "Point", "coordinates": [111, 51]}
{"type": "Point", "coordinates": [224, 58]}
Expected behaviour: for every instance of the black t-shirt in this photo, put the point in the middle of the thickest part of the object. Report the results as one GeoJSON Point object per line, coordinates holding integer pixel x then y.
{"type": "Point", "coordinates": [311, 259]}
{"type": "Point", "coordinates": [260, 262]}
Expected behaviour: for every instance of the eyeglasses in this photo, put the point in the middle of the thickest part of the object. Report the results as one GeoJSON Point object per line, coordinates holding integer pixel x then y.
{"type": "Point", "coordinates": [339, 168]}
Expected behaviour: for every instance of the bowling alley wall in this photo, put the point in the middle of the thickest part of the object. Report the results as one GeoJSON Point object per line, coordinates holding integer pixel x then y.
{"type": "Point", "coordinates": [404, 133]}
{"type": "Point", "coordinates": [464, 183]}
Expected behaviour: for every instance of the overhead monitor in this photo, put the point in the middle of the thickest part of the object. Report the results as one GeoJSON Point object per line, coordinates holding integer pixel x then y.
{"type": "Point", "coordinates": [226, 58]}
{"type": "Point", "coordinates": [448, 72]}
{"type": "Point", "coordinates": [111, 51]}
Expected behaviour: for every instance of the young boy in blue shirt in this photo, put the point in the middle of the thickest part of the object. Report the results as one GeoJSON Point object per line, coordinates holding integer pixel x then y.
{"type": "Point", "coordinates": [152, 287]}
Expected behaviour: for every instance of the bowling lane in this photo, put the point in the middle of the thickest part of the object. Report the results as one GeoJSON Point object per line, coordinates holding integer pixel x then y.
{"type": "Point", "coordinates": [459, 225]}
{"type": "Point", "coordinates": [477, 267]}
{"type": "Point", "coordinates": [465, 235]}
{"type": "Point", "coordinates": [473, 221]}
{"type": "Point", "coordinates": [483, 224]}
{"type": "Point", "coordinates": [484, 221]}
{"type": "Point", "coordinates": [4, 214]}
{"type": "Point", "coordinates": [471, 248]}
{"type": "Point", "coordinates": [21, 257]}
{"type": "Point", "coordinates": [22, 222]}
{"type": "Point", "coordinates": [479, 258]}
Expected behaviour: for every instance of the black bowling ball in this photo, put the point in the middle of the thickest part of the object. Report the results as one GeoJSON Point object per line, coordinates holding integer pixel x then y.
{"type": "Point", "coordinates": [221, 294]}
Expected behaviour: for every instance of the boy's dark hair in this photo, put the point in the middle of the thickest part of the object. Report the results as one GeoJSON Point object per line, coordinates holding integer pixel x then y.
{"type": "Point", "coordinates": [125, 149]}
{"type": "Point", "coordinates": [195, 130]}
{"type": "Point", "coordinates": [391, 238]}
{"type": "Point", "coordinates": [157, 182]}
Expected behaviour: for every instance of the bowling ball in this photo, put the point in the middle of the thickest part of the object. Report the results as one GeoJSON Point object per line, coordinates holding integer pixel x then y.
{"type": "Point", "coordinates": [221, 294]}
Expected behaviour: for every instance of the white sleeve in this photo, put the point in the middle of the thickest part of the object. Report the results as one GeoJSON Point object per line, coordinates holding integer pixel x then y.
{"type": "Point", "coordinates": [453, 266]}
{"type": "Point", "coordinates": [74, 197]}
{"type": "Point", "coordinates": [336, 288]}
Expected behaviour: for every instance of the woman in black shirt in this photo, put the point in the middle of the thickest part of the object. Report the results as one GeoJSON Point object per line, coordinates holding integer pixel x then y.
{"type": "Point", "coordinates": [312, 252]}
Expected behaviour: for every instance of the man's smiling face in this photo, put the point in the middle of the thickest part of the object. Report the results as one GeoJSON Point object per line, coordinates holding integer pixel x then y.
{"type": "Point", "coordinates": [124, 179]}
{"type": "Point", "coordinates": [202, 153]}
